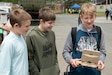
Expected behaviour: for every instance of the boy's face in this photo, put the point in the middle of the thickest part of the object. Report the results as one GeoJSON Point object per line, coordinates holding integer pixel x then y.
{"type": "Point", "coordinates": [23, 29]}
{"type": "Point", "coordinates": [88, 20]}
{"type": "Point", "coordinates": [47, 25]}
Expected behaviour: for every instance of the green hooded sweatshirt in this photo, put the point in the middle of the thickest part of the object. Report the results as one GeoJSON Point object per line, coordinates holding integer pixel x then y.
{"type": "Point", "coordinates": [42, 53]}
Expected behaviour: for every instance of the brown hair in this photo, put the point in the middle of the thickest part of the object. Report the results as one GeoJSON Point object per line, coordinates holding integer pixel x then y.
{"type": "Point", "coordinates": [46, 14]}
{"type": "Point", "coordinates": [88, 8]}
{"type": "Point", "coordinates": [19, 16]}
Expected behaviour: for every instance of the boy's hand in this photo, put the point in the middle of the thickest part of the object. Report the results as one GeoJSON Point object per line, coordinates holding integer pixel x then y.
{"type": "Point", "coordinates": [1, 26]}
{"type": "Point", "coordinates": [100, 65]}
{"type": "Point", "coordinates": [75, 62]}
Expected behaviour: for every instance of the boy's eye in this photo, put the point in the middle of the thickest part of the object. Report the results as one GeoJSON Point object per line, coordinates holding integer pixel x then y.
{"type": "Point", "coordinates": [51, 22]}
{"type": "Point", "coordinates": [86, 18]}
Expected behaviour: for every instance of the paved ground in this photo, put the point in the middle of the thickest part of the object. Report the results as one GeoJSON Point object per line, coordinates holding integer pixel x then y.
{"type": "Point", "coordinates": [103, 20]}
{"type": "Point", "coordinates": [63, 26]}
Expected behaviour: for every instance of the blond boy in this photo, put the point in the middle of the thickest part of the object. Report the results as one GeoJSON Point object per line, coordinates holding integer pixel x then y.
{"type": "Point", "coordinates": [86, 38]}
{"type": "Point", "coordinates": [13, 50]}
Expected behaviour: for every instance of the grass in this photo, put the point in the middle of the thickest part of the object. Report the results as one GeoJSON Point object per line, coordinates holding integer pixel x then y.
{"type": "Point", "coordinates": [100, 13]}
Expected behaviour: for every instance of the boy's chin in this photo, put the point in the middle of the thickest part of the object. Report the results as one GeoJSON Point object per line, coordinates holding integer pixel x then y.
{"type": "Point", "coordinates": [24, 34]}
{"type": "Point", "coordinates": [48, 29]}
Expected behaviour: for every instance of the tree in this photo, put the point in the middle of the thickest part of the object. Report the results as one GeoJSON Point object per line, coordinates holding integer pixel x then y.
{"type": "Point", "coordinates": [68, 3]}
{"type": "Point", "coordinates": [13, 1]}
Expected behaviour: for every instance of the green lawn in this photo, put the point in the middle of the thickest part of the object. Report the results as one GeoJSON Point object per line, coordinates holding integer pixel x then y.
{"type": "Point", "coordinates": [100, 13]}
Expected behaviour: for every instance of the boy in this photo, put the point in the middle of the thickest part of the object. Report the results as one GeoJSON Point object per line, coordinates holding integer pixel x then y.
{"type": "Point", "coordinates": [86, 38]}
{"type": "Point", "coordinates": [4, 30]}
{"type": "Point", "coordinates": [5, 26]}
{"type": "Point", "coordinates": [13, 50]}
{"type": "Point", "coordinates": [41, 45]}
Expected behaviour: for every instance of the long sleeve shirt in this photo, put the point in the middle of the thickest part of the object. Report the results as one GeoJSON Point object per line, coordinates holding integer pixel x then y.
{"type": "Point", "coordinates": [13, 56]}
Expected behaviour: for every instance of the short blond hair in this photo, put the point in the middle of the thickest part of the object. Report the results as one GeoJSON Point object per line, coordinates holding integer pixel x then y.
{"type": "Point", "coordinates": [88, 8]}
{"type": "Point", "coordinates": [19, 16]}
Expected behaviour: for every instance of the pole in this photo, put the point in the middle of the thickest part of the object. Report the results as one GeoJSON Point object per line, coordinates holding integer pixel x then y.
{"type": "Point", "coordinates": [106, 3]}
{"type": "Point", "coordinates": [110, 3]}
{"type": "Point", "coordinates": [95, 1]}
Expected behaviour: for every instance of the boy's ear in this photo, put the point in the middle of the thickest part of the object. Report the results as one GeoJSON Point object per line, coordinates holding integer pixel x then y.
{"type": "Point", "coordinates": [41, 20]}
{"type": "Point", "coordinates": [16, 25]}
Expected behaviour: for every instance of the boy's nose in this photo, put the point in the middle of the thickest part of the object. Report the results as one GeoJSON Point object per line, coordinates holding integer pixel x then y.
{"type": "Point", "coordinates": [89, 20]}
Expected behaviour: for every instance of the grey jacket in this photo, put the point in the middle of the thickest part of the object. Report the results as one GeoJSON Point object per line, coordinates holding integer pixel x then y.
{"type": "Point", "coordinates": [68, 47]}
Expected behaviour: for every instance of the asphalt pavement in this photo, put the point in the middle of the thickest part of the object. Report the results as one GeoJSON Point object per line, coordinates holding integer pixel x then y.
{"type": "Point", "coordinates": [103, 20]}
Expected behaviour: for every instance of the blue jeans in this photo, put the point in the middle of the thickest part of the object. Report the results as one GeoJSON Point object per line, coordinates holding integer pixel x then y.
{"type": "Point", "coordinates": [82, 70]}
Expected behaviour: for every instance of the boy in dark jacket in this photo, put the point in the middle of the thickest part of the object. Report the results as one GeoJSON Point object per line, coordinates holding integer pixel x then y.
{"type": "Point", "coordinates": [42, 52]}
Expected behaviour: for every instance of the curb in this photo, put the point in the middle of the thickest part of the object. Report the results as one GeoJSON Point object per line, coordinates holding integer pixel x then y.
{"type": "Point", "coordinates": [102, 20]}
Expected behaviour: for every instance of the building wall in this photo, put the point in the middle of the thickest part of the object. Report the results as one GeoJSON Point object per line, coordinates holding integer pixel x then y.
{"type": "Point", "coordinates": [59, 8]}
{"type": "Point", "coordinates": [101, 8]}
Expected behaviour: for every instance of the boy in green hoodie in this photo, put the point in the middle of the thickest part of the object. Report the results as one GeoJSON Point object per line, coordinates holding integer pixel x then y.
{"type": "Point", "coordinates": [42, 52]}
